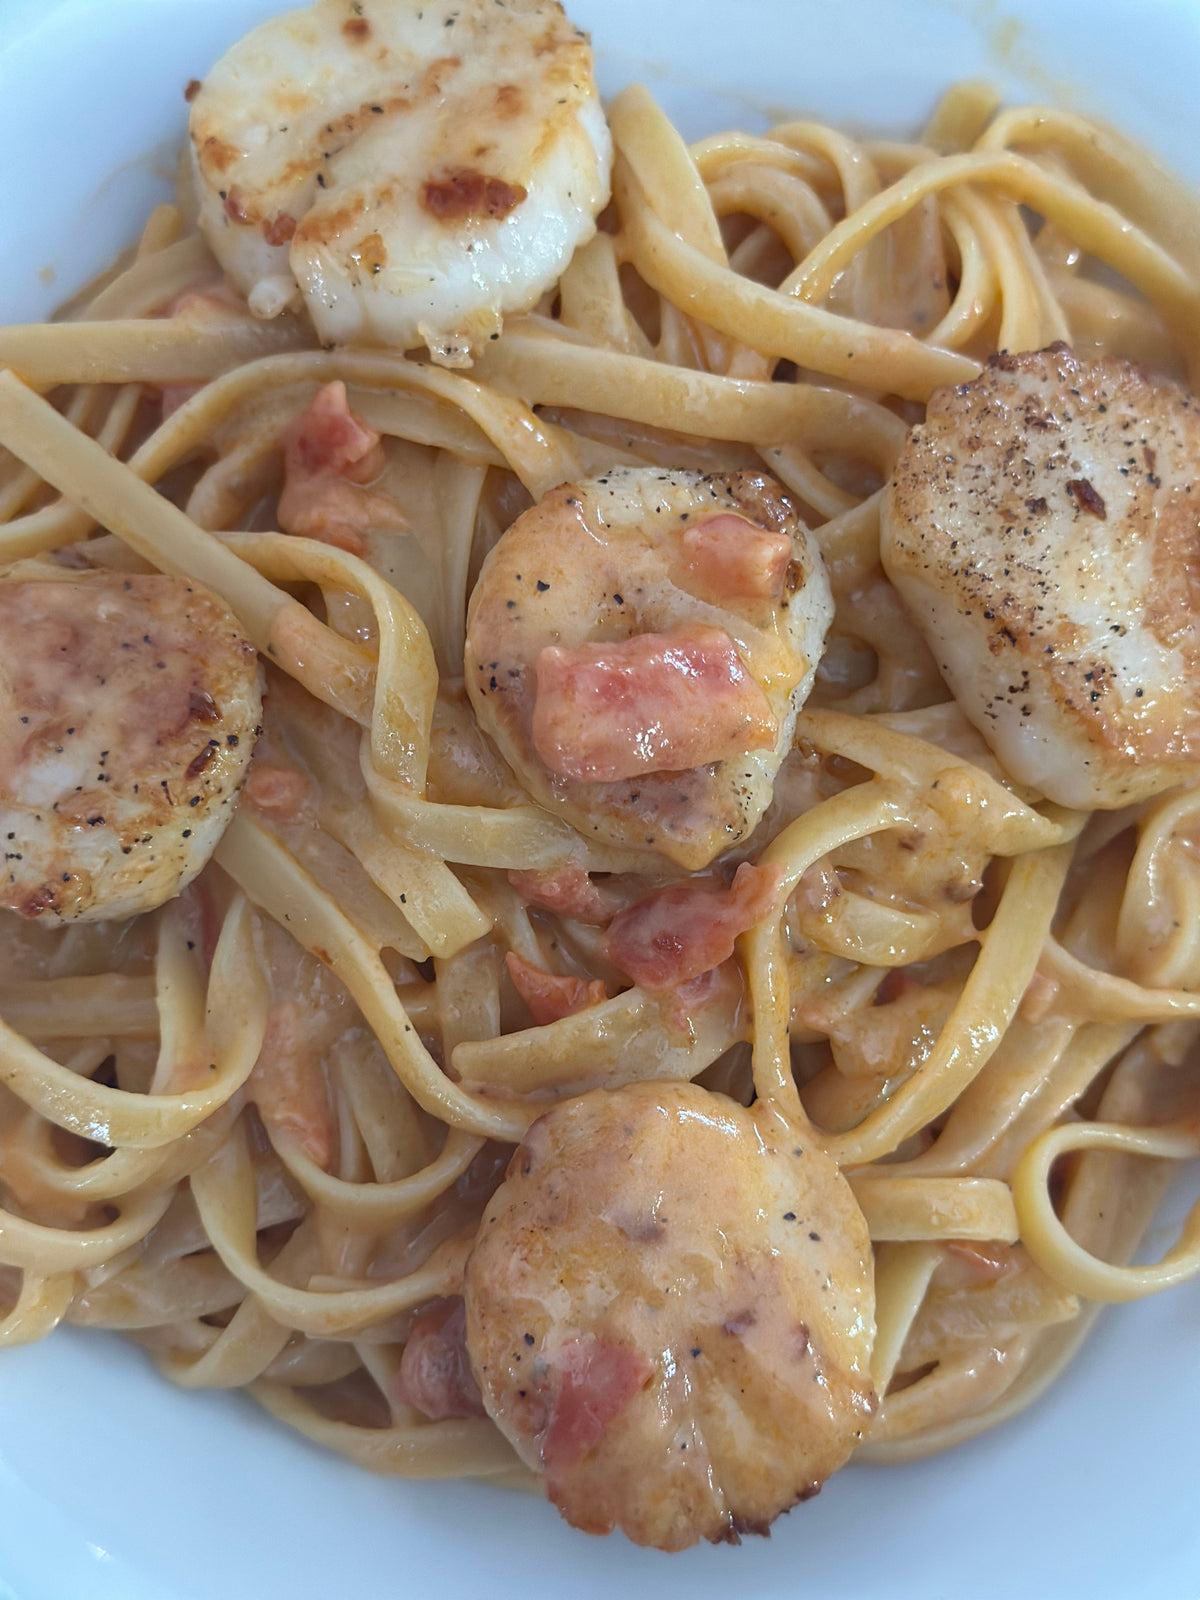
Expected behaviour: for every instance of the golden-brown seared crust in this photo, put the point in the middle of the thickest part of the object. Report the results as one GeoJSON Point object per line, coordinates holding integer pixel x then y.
{"type": "Point", "coordinates": [1043, 527]}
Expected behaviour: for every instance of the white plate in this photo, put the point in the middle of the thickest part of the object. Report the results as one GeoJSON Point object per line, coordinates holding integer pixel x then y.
{"type": "Point", "coordinates": [113, 1486]}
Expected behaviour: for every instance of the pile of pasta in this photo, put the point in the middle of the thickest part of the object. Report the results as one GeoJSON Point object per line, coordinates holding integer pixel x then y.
{"type": "Point", "coordinates": [256, 1128]}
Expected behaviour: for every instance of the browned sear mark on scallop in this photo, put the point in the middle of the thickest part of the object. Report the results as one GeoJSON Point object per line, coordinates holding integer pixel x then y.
{"type": "Point", "coordinates": [467, 193]}
{"type": "Point", "coordinates": [276, 230]}
{"type": "Point", "coordinates": [510, 102]}
{"type": "Point", "coordinates": [47, 898]}
{"type": "Point", "coordinates": [357, 29]}
{"type": "Point", "coordinates": [236, 209]}
{"type": "Point", "coordinates": [280, 229]}
{"type": "Point", "coordinates": [217, 155]}
{"type": "Point", "coordinates": [370, 253]}
{"type": "Point", "coordinates": [202, 707]}
{"type": "Point", "coordinates": [198, 762]}
{"type": "Point", "coordinates": [322, 227]}
{"type": "Point", "coordinates": [191, 89]}
{"type": "Point", "coordinates": [758, 1527]}
{"type": "Point", "coordinates": [1087, 498]}
{"type": "Point", "coordinates": [1015, 360]}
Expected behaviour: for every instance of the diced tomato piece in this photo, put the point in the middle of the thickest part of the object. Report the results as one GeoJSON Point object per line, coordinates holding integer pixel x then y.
{"type": "Point", "coordinates": [328, 437]}
{"type": "Point", "coordinates": [288, 1085]}
{"type": "Point", "coordinates": [329, 454]}
{"type": "Point", "coordinates": [204, 302]}
{"type": "Point", "coordinates": [551, 995]}
{"type": "Point", "coordinates": [984, 1261]}
{"type": "Point", "coordinates": [596, 1380]}
{"type": "Point", "coordinates": [281, 791]}
{"type": "Point", "coordinates": [657, 702]}
{"type": "Point", "coordinates": [679, 932]}
{"type": "Point", "coordinates": [567, 891]}
{"type": "Point", "coordinates": [201, 303]}
{"type": "Point", "coordinates": [435, 1371]}
{"type": "Point", "coordinates": [730, 557]}
{"type": "Point", "coordinates": [175, 395]}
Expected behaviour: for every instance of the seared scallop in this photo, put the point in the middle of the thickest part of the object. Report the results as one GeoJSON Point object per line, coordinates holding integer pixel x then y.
{"type": "Point", "coordinates": [638, 645]}
{"type": "Point", "coordinates": [1043, 528]}
{"type": "Point", "coordinates": [415, 169]}
{"type": "Point", "coordinates": [129, 707]}
{"type": "Point", "coordinates": [670, 1313]}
